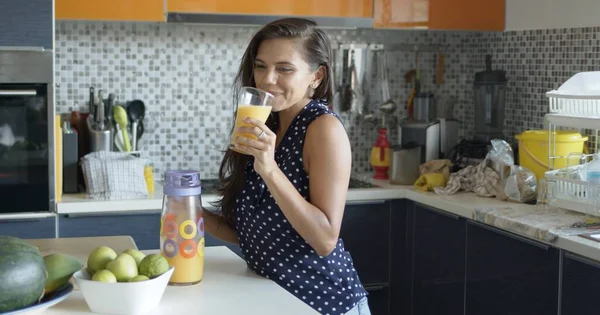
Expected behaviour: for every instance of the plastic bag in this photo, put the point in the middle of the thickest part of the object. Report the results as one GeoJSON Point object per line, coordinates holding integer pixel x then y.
{"type": "Point", "coordinates": [501, 152]}
{"type": "Point", "coordinates": [520, 186]}
{"type": "Point", "coordinates": [517, 183]}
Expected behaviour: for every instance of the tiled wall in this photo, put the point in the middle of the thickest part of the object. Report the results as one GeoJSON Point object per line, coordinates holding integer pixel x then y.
{"type": "Point", "coordinates": [536, 62]}
{"type": "Point", "coordinates": [183, 73]}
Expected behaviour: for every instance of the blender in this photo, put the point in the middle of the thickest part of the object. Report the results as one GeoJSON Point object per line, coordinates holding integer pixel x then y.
{"type": "Point", "coordinates": [489, 93]}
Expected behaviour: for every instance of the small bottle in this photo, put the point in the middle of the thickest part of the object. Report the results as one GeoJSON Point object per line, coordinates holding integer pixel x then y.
{"type": "Point", "coordinates": [380, 155]}
{"type": "Point", "coordinates": [182, 226]}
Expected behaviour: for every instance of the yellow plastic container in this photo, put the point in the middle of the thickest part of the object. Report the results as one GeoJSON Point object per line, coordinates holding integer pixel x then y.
{"type": "Point", "coordinates": [533, 149]}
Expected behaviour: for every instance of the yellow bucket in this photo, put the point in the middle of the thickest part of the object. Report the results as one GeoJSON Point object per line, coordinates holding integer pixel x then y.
{"type": "Point", "coordinates": [533, 149]}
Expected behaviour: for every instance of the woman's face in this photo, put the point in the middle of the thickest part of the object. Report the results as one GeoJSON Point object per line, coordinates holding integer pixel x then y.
{"type": "Point", "coordinates": [281, 70]}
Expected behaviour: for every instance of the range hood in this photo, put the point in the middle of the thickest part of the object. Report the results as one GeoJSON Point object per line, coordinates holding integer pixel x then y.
{"type": "Point", "coordinates": [258, 20]}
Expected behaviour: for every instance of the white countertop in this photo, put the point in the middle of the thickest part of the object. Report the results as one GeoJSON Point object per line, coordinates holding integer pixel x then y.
{"type": "Point", "coordinates": [462, 204]}
{"type": "Point", "coordinates": [228, 287]}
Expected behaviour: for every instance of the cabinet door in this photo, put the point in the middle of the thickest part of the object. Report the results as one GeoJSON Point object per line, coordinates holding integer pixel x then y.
{"type": "Point", "coordinates": [26, 23]}
{"type": "Point", "coordinates": [486, 15]}
{"type": "Point", "coordinates": [29, 227]}
{"type": "Point", "coordinates": [509, 274]}
{"type": "Point", "coordinates": [144, 228]}
{"type": "Point", "coordinates": [580, 285]}
{"type": "Point", "coordinates": [401, 256]}
{"type": "Point", "coordinates": [473, 15]}
{"type": "Point", "coordinates": [334, 8]}
{"type": "Point", "coordinates": [110, 10]}
{"type": "Point", "coordinates": [365, 232]}
{"type": "Point", "coordinates": [379, 299]}
{"type": "Point", "coordinates": [438, 262]}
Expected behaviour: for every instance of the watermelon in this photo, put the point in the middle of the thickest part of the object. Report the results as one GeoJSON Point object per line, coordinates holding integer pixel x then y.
{"type": "Point", "coordinates": [22, 274]}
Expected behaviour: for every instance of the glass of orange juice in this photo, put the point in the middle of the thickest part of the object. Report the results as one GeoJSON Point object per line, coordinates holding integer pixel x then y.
{"type": "Point", "coordinates": [253, 103]}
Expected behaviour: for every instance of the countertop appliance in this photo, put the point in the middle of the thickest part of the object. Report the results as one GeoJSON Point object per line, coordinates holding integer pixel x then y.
{"type": "Point", "coordinates": [26, 130]}
{"type": "Point", "coordinates": [424, 134]}
{"type": "Point", "coordinates": [489, 91]}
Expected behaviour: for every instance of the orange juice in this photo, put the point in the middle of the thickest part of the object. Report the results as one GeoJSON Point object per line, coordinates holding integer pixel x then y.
{"type": "Point", "coordinates": [254, 111]}
{"type": "Point", "coordinates": [182, 226]}
{"type": "Point", "coordinates": [186, 269]}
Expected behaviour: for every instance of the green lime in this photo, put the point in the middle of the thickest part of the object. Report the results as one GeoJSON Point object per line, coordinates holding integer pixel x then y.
{"type": "Point", "coordinates": [136, 254]}
{"type": "Point", "coordinates": [139, 278]}
{"type": "Point", "coordinates": [104, 276]}
{"type": "Point", "coordinates": [99, 257]}
{"type": "Point", "coordinates": [123, 267]}
{"type": "Point", "coordinates": [153, 265]}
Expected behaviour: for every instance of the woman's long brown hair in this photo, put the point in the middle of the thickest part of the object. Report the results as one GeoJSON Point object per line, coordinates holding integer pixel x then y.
{"type": "Point", "coordinates": [317, 53]}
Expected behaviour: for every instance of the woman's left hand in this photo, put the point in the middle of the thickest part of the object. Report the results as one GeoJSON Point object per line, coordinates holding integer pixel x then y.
{"type": "Point", "coordinates": [263, 149]}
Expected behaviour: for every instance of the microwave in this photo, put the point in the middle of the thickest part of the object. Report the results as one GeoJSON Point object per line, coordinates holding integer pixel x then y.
{"type": "Point", "coordinates": [26, 131]}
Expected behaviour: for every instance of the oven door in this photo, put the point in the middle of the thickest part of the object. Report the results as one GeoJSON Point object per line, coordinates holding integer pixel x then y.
{"type": "Point", "coordinates": [24, 148]}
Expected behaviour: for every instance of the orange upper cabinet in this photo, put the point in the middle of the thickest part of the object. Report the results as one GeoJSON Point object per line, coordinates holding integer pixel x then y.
{"type": "Point", "coordinates": [320, 8]}
{"type": "Point", "coordinates": [110, 10]}
{"type": "Point", "coordinates": [483, 15]}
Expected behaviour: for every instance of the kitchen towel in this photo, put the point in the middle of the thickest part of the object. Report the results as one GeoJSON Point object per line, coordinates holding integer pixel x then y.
{"type": "Point", "coordinates": [114, 175]}
{"type": "Point", "coordinates": [479, 179]}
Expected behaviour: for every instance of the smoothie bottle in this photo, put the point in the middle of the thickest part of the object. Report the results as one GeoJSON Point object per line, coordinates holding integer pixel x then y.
{"type": "Point", "coordinates": [182, 226]}
{"type": "Point", "coordinates": [253, 103]}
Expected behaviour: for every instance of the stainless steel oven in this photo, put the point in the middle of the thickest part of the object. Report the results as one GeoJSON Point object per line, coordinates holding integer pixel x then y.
{"type": "Point", "coordinates": [26, 130]}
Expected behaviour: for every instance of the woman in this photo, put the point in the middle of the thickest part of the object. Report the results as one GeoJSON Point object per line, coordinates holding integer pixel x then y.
{"type": "Point", "coordinates": [286, 224]}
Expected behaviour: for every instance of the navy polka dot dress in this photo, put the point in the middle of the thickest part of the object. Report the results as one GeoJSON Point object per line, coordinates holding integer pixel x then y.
{"type": "Point", "coordinates": [271, 246]}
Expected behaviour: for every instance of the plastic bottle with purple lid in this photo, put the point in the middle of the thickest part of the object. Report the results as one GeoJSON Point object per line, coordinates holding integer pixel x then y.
{"type": "Point", "coordinates": [182, 226]}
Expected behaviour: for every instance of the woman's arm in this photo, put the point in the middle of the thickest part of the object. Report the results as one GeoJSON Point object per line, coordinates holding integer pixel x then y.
{"type": "Point", "coordinates": [328, 157]}
{"type": "Point", "coordinates": [216, 226]}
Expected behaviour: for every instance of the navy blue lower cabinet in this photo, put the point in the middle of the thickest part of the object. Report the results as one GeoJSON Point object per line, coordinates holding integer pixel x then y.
{"type": "Point", "coordinates": [438, 278]}
{"type": "Point", "coordinates": [144, 228]}
{"type": "Point", "coordinates": [401, 256]}
{"type": "Point", "coordinates": [28, 228]}
{"type": "Point", "coordinates": [509, 274]}
{"type": "Point", "coordinates": [580, 285]}
{"type": "Point", "coordinates": [379, 299]}
{"type": "Point", "coordinates": [365, 232]}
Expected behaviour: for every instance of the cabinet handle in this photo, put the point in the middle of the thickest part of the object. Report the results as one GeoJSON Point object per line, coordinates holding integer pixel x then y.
{"type": "Point", "coordinates": [440, 212]}
{"type": "Point", "coordinates": [583, 260]}
{"type": "Point", "coordinates": [18, 92]}
{"type": "Point", "coordinates": [21, 48]}
{"type": "Point", "coordinates": [510, 235]}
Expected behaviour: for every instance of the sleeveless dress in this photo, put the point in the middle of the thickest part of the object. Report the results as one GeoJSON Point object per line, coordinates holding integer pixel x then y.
{"type": "Point", "coordinates": [272, 247]}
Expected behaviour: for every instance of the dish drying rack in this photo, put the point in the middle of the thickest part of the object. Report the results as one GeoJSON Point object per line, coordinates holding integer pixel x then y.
{"type": "Point", "coordinates": [575, 104]}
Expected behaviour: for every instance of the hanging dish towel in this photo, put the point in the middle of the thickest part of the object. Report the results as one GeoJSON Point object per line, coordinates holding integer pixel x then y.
{"type": "Point", "coordinates": [114, 176]}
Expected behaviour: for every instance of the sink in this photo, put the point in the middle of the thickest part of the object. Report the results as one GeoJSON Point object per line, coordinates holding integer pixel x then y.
{"type": "Point", "coordinates": [209, 186]}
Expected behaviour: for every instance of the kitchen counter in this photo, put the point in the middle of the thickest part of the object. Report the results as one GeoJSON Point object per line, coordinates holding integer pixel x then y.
{"type": "Point", "coordinates": [462, 204]}
{"type": "Point", "coordinates": [228, 286]}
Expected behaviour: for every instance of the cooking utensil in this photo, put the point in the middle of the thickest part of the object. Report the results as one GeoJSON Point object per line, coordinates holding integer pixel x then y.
{"type": "Point", "coordinates": [120, 116]}
{"type": "Point", "coordinates": [110, 103]}
{"type": "Point", "coordinates": [100, 122]}
{"type": "Point", "coordinates": [353, 96]}
{"type": "Point", "coordinates": [92, 107]}
{"type": "Point", "coordinates": [439, 74]}
{"type": "Point", "coordinates": [135, 110]}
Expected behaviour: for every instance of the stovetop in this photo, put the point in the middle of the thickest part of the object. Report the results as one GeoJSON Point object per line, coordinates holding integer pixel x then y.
{"type": "Point", "coordinates": [209, 186]}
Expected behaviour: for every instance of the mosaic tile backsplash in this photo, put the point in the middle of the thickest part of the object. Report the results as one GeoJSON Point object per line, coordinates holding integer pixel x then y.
{"type": "Point", "coordinates": [184, 73]}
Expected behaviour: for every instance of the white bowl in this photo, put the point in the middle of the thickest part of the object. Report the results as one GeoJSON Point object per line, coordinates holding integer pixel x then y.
{"type": "Point", "coordinates": [122, 297]}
